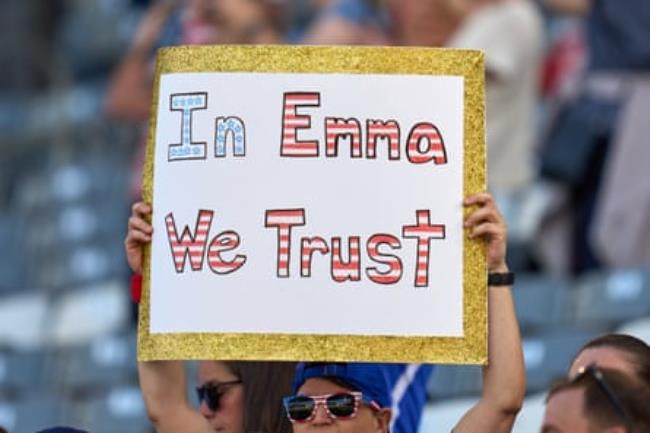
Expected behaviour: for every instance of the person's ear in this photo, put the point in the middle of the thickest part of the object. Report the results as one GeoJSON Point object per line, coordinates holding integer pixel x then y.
{"type": "Point", "coordinates": [383, 417]}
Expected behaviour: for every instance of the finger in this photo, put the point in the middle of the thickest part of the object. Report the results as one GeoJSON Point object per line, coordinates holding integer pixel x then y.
{"type": "Point", "coordinates": [137, 237]}
{"type": "Point", "coordinates": [136, 223]}
{"type": "Point", "coordinates": [480, 198]}
{"type": "Point", "coordinates": [140, 208]}
{"type": "Point", "coordinates": [488, 231]}
{"type": "Point", "coordinates": [483, 214]}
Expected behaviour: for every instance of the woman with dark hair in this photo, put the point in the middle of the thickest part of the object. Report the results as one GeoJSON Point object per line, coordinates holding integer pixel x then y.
{"type": "Point", "coordinates": [234, 397]}
{"type": "Point", "coordinates": [620, 352]}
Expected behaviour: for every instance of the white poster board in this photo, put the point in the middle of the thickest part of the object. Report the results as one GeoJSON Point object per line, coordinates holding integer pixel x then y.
{"type": "Point", "coordinates": [309, 208]}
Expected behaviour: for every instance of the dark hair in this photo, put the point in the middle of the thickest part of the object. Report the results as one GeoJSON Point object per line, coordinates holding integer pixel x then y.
{"type": "Point", "coordinates": [637, 351]}
{"type": "Point", "coordinates": [604, 390]}
{"type": "Point", "coordinates": [265, 383]}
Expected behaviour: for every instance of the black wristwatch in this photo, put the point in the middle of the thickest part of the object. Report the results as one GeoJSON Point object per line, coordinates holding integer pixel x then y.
{"type": "Point", "coordinates": [501, 278]}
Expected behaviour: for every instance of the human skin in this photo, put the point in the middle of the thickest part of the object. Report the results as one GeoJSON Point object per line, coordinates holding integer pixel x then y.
{"type": "Point", "coordinates": [228, 418]}
{"type": "Point", "coordinates": [367, 420]}
{"type": "Point", "coordinates": [603, 357]}
{"type": "Point", "coordinates": [564, 413]}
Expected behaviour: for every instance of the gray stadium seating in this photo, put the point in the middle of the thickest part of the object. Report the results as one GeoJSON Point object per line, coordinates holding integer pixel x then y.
{"type": "Point", "coordinates": [541, 302]}
{"type": "Point", "coordinates": [120, 411]}
{"type": "Point", "coordinates": [451, 381]}
{"type": "Point", "coordinates": [549, 355]}
{"type": "Point", "coordinates": [613, 297]}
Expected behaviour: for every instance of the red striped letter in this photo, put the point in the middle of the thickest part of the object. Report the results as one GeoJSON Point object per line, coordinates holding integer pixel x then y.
{"type": "Point", "coordinates": [394, 272]}
{"type": "Point", "coordinates": [284, 220]}
{"type": "Point", "coordinates": [292, 121]}
{"type": "Point", "coordinates": [435, 150]}
{"type": "Point", "coordinates": [225, 241]}
{"type": "Point", "coordinates": [377, 129]}
{"type": "Point", "coordinates": [307, 249]}
{"type": "Point", "coordinates": [423, 232]}
{"type": "Point", "coordinates": [192, 245]}
{"type": "Point", "coordinates": [350, 270]}
{"type": "Point", "coordinates": [337, 128]}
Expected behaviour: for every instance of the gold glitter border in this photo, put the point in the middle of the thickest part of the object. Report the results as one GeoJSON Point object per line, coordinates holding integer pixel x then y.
{"type": "Point", "coordinates": [470, 349]}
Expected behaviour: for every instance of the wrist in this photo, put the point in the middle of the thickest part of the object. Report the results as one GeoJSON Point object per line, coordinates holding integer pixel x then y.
{"type": "Point", "coordinates": [499, 268]}
{"type": "Point", "coordinates": [501, 279]}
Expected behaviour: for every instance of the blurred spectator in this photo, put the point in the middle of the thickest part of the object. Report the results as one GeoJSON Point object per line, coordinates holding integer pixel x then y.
{"type": "Point", "coordinates": [596, 149]}
{"type": "Point", "coordinates": [510, 33]}
{"type": "Point", "coordinates": [169, 22]}
{"type": "Point", "coordinates": [349, 22]}
{"type": "Point", "coordinates": [512, 63]}
{"type": "Point", "coordinates": [28, 44]}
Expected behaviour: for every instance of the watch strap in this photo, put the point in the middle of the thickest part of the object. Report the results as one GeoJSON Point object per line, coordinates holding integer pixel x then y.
{"type": "Point", "coordinates": [501, 278]}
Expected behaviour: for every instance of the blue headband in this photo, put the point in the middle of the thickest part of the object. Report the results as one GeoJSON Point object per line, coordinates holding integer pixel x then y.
{"type": "Point", "coordinates": [365, 377]}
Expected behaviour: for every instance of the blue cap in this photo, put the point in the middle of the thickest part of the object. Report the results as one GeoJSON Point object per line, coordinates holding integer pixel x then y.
{"type": "Point", "coordinates": [365, 377]}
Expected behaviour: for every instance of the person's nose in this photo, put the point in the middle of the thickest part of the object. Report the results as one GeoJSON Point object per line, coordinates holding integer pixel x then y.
{"type": "Point", "coordinates": [205, 410]}
{"type": "Point", "coordinates": [321, 416]}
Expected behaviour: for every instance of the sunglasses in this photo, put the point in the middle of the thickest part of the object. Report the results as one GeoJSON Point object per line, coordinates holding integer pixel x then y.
{"type": "Point", "coordinates": [598, 376]}
{"type": "Point", "coordinates": [342, 405]}
{"type": "Point", "coordinates": [212, 392]}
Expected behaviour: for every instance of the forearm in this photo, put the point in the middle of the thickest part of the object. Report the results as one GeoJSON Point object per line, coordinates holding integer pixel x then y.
{"type": "Point", "coordinates": [129, 94]}
{"type": "Point", "coordinates": [164, 388]}
{"type": "Point", "coordinates": [504, 378]}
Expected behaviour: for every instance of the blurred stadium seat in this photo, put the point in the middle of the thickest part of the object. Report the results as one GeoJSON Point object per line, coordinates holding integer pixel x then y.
{"type": "Point", "coordinates": [21, 372]}
{"type": "Point", "coordinates": [638, 328]}
{"type": "Point", "coordinates": [12, 260]}
{"type": "Point", "coordinates": [443, 416]}
{"type": "Point", "coordinates": [88, 313]}
{"type": "Point", "coordinates": [453, 381]}
{"type": "Point", "coordinates": [549, 355]}
{"type": "Point", "coordinates": [120, 411]}
{"type": "Point", "coordinates": [532, 413]}
{"type": "Point", "coordinates": [541, 302]}
{"type": "Point", "coordinates": [613, 297]}
{"type": "Point", "coordinates": [99, 365]}
{"type": "Point", "coordinates": [34, 414]}
{"type": "Point", "coordinates": [23, 320]}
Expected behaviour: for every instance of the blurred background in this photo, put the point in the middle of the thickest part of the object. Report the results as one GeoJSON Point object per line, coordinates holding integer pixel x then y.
{"type": "Point", "coordinates": [568, 92]}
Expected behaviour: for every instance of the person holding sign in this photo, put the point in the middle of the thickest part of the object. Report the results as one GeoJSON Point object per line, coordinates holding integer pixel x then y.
{"type": "Point", "coordinates": [162, 382]}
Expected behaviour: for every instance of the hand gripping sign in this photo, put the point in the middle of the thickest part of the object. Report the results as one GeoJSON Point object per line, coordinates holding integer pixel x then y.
{"type": "Point", "coordinates": [307, 205]}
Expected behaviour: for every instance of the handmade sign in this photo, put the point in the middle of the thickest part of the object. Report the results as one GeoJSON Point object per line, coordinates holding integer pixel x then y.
{"type": "Point", "coordinates": [307, 205]}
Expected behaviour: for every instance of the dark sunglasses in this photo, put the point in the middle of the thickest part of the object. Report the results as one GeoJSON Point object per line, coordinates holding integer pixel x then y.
{"type": "Point", "coordinates": [598, 376]}
{"type": "Point", "coordinates": [302, 408]}
{"type": "Point", "coordinates": [211, 392]}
